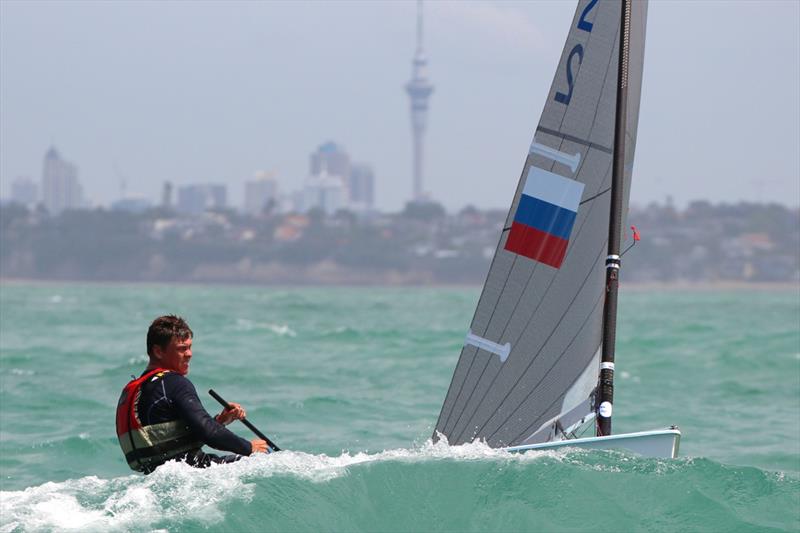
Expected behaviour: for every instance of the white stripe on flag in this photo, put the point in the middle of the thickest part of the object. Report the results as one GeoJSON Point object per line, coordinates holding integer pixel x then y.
{"type": "Point", "coordinates": [553, 188]}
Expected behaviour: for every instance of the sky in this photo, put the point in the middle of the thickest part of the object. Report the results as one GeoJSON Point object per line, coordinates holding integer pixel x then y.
{"type": "Point", "coordinates": [197, 92]}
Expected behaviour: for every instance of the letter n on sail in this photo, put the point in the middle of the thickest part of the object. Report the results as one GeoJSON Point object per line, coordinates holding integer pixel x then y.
{"type": "Point", "coordinates": [545, 215]}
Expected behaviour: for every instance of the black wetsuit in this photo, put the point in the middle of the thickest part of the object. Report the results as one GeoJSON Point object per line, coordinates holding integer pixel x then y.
{"type": "Point", "coordinates": [173, 397]}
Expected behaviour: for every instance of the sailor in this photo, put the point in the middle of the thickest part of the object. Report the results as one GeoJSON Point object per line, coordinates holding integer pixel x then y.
{"type": "Point", "coordinates": [159, 415]}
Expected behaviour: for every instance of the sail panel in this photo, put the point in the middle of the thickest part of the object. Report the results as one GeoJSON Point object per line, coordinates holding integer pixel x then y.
{"type": "Point", "coordinates": [550, 317]}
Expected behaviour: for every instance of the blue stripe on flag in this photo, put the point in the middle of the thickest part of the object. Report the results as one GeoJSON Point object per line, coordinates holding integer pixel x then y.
{"type": "Point", "coordinates": [545, 216]}
{"type": "Point", "coordinates": [553, 188]}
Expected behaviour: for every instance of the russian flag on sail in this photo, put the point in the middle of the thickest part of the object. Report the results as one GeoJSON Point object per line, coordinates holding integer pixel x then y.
{"type": "Point", "coordinates": [544, 218]}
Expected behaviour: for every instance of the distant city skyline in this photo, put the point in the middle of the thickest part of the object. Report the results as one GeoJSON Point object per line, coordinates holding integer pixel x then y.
{"type": "Point", "coordinates": [720, 117]}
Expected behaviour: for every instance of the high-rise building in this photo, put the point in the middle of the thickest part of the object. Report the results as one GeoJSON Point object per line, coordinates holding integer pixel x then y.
{"type": "Point", "coordinates": [419, 90]}
{"type": "Point", "coordinates": [327, 184]}
{"type": "Point", "coordinates": [260, 192]}
{"type": "Point", "coordinates": [196, 199]}
{"type": "Point", "coordinates": [24, 191]}
{"type": "Point", "coordinates": [324, 191]}
{"type": "Point", "coordinates": [362, 186]}
{"type": "Point", "coordinates": [332, 158]}
{"type": "Point", "coordinates": [60, 187]}
{"type": "Point", "coordinates": [166, 195]}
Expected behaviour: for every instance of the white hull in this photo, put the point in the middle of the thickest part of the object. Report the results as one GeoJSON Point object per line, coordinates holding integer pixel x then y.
{"type": "Point", "coordinates": [659, 443]}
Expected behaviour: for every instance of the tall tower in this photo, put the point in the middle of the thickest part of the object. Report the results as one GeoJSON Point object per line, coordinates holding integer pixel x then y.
{"type": "Point", "coordinates": [419, 89]}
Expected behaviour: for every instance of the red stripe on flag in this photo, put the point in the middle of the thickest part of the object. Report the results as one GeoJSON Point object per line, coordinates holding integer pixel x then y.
{"type": "Point", "coordinates": [536, 244]}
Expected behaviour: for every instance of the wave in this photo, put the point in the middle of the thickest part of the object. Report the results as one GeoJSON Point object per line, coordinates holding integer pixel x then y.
{"type": "Point", "coordinates": [281, 330]}
{"type": "Point", "coordinates": [431, 487]}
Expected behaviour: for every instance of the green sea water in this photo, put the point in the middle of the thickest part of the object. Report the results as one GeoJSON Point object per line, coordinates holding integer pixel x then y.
{"type": "Point", "coordinates": [350, 381]}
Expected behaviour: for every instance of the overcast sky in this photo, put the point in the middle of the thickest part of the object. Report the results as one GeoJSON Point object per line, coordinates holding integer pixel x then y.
{"type": "Point", "coordinates": [213, 92]}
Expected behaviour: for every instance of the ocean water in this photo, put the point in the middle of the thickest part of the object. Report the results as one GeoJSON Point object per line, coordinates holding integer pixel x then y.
{"type": "Point", "coordinates": [350, 381]}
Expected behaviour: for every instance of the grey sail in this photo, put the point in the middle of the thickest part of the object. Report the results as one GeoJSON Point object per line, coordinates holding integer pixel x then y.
{"type": "Point", "coordinates": [529, 366]}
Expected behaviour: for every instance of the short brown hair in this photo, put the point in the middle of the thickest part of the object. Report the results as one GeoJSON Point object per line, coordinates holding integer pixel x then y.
{"type": "Point", "coordinates": [164, 328]}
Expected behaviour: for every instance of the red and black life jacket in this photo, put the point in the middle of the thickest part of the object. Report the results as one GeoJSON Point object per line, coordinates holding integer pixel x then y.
{"type": "Point", "coordinates": [146, 447]}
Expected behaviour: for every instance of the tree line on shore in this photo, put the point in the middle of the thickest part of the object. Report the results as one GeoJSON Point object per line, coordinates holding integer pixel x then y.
{"type": "Point", "coordinates": [422, 244]}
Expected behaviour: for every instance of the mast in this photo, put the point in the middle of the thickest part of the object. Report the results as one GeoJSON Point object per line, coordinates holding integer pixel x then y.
{"type": "Point", "coordinates": [605, 399]}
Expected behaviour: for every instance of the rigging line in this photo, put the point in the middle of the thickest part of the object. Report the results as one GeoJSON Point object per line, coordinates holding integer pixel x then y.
{"type": "Point", "coordinates": [586, 428]}
{"type": "Point", "coordinates": [541, 300]}
{"type": "Point", "coordinates": [530, 363]}
{"type": "Point", "coordinates": [542, 416]}
{"type": "Point", "coordinates": [527, 284]}
{"type": "Point", "coordinates": [601, 193]}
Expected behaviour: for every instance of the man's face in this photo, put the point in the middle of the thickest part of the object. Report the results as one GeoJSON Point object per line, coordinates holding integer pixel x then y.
{"type": "Point", "coordinates": [175, 356]}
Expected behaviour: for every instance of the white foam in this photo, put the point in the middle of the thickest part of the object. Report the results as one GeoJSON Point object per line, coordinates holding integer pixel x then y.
{"type": "Point", "coordinates": [175, 489]}
{"type": "Point", "coordinates": [139, 359]}
{"type": "Point", "coordinates": [94, 504]}
{"type": "Point", "coordinates": [282, 330]}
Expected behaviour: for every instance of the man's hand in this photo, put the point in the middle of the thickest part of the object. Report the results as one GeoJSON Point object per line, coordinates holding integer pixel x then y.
{"type": "Point", "coordinates": [236, 412]}
{"type": "Point", "coordinates": [258, 446]}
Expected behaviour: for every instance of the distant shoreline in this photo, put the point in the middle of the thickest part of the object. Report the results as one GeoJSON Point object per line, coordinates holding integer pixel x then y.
{"type": "Point", "coordinates": [629, 286]}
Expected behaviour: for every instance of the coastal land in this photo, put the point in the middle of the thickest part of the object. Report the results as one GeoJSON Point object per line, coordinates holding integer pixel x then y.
{"type": "Point", "coordinates": [702, 246]}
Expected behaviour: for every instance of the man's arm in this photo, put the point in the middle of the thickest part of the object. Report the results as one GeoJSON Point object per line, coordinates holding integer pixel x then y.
{"type": "Point", "coordinates": [204, 426]}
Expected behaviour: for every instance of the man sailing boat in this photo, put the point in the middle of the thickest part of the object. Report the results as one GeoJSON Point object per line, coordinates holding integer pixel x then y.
{"type": "Point", "coordinates": [159, 415]}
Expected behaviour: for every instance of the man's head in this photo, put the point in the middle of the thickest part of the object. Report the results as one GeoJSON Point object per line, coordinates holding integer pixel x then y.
{"type": "Point", "coordinates": [169, 343]}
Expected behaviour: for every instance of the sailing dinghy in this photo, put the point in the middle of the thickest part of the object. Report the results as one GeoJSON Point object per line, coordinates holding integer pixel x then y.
{"type": "Point", "coordinates": [537, 366]}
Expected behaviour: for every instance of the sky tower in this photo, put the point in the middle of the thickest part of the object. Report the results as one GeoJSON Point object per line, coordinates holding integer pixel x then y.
{"type": "Point", "coordinates": [419, 90]}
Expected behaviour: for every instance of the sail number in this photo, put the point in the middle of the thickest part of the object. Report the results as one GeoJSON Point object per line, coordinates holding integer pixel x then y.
{"type": "Point", "coordinates": [584, 24]}
{"type": "Point", "coordinates": [565, 98]}
{"type": "Point", "coordinates": [577, 50]}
